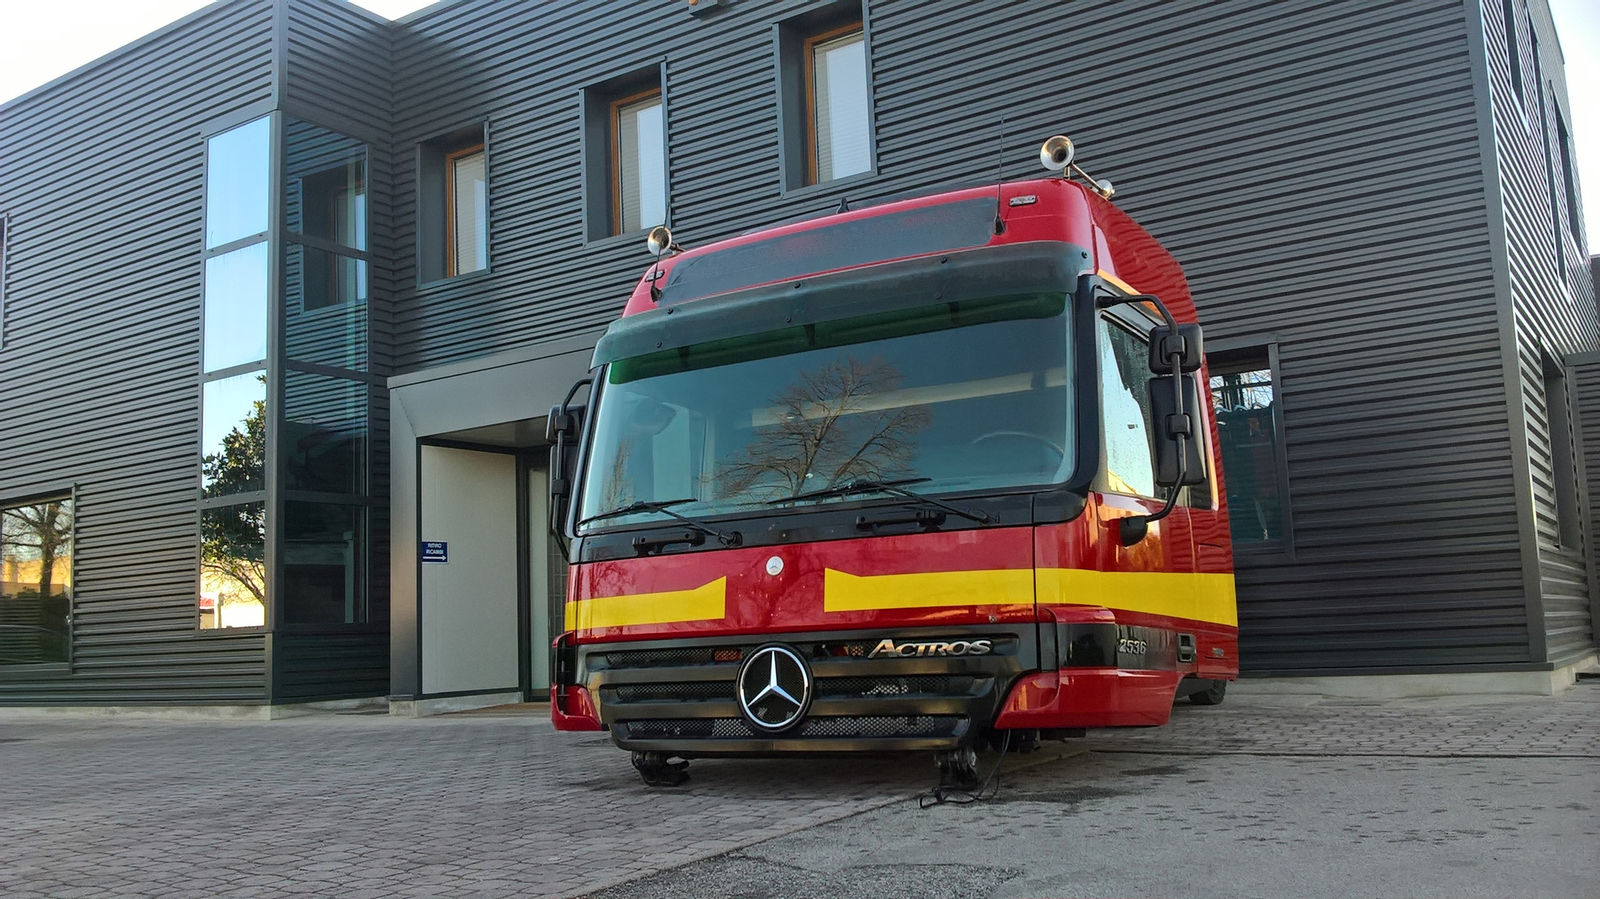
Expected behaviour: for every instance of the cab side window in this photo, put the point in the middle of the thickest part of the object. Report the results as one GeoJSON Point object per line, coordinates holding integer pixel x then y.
{"type": "Point", "coordinates": [1125, 409]}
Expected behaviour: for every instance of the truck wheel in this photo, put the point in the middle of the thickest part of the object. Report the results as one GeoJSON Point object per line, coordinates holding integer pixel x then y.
{"type": "Point", "coordinates": [958, 769]}
{"type": "Point", "coordinates": [1211, 695]}
{"type": "Point", "coordinates": [656, 771]}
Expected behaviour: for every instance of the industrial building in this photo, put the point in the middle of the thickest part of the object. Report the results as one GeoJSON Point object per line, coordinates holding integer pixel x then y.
{"type": "Point", "coordinates": [287, 290]}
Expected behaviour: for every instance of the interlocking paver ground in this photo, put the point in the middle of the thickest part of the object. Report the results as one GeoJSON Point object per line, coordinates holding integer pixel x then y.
{"type": "Point", "coordinates": [500, 805]}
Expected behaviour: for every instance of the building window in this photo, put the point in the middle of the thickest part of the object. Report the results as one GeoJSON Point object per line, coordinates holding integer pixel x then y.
{"type": "Point", "coordinates": [36, 571]}
{"type": "Point", "coordinates": [1564, 149]}
{"type": "Point", "coordinates": [1508, 15]}
{"type": "Point", "coordinates": [1125, 410]}
{"type": "Point", "coordinates": [1250, 429]}
{"type": "Point", "coordinates": [467, 210]}
{"type": "Point", "coordinates": [453, 205]}
{"type": "Point", "coordinates": [1563, 462]}
{"type": "Point", "coordinates": [238, 309]}
{"type": "Point", "coordinates": [233, 566]}
{"type": "Point", "coordinates": [626, 182]}
{"type": "Point", "coordinates": [837, 83]}
{"type": "Point", "coordinates": [639, 162]}
{"type": "Point", "coordinates": [825, 95]}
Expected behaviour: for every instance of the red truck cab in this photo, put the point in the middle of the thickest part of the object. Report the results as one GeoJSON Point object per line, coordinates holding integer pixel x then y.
{"type": "Point", "coordinates": [903, 477]}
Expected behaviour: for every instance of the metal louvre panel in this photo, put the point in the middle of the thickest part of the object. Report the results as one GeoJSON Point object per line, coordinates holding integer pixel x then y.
{"type": "Point", "coordinates": [102, 177]}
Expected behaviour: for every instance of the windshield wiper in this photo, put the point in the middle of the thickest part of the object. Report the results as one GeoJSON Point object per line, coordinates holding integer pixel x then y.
{"type": "Point", "coordinates": [866, 485]}
{"type": "Point", "coordinates": [726, 538]}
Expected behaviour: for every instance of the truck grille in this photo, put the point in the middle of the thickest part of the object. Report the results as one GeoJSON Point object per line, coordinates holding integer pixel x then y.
{"type": "Point", "coordinates": [837, 727]}
{"type": "Point", "coordinates": [688, 695]}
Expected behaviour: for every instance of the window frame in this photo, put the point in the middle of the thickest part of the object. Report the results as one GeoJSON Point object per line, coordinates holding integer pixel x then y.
{"type": "Point", "coordinates": [808, 83]}
{"type": "Point", "coordinates": [793, 40]}
{"type": "Point", "coordinates": [452, 249]}
{"type": "Point", "coordinates": [1283, 547]}
{"type": "Point", "coordinates": [34, 669]}
{"type": "Point", "coordinates": [615, 108]}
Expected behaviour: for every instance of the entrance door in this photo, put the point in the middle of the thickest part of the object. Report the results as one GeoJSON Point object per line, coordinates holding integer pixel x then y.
{"type": "Point", "coordinates": [547, 581]}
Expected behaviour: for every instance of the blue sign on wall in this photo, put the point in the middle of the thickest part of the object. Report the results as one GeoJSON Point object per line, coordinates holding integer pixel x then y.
{"type": "Point", "coordinates": [435, 551]}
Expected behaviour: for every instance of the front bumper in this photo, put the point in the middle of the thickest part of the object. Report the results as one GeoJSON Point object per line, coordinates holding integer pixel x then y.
{"type": "Point", "coordinates": [682, 699]}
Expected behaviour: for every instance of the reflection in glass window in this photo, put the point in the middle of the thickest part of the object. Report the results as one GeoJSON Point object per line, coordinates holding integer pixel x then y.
{"type": "Point", "coordinates": [36, 582]}
{"type": "Point", "coordinates": [233, 570]}
{"type": "Point", "coordinates": [839, 100]}
{"type": "Point", "coordinates": [1125, 411]}
{"type": "Point", "coordinates": [319, 279]}
{"type": "Point", "coordinates": [741, 422]}
{"type": "Point", "coordinates": [641, 177]}
{"type": "Point", "coordinates": [233, 433]}
{"type": "Point", "coordinates": [236, 307]}
{"type": "Point", "coordinates": [323, 550]}
{"type": "Point", "coordinates": [238, 169]}
{"type": "Point", "coordinates": [324, 441]}
{"type": "Point", "coordinates": [1242, 390]}
{"type": "Point", "coordinates": [326, 192]}
{"type": "Point", "coordinates": [468, 204]}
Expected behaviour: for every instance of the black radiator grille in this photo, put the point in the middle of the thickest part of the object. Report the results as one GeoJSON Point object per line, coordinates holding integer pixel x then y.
{"type": "Point", "coordinates": [885, 687]}
{"type": "Point", "coordinates": [839, 727]}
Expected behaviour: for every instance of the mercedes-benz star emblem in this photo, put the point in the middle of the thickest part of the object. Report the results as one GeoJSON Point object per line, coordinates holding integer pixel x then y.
{"type": "Point", "coordinates": [774, 687]}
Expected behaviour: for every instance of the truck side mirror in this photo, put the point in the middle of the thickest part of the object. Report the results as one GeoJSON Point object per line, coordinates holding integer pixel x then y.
{"type": "Point", "coordinates": [1188, 343]}
{"type": "Point", "coordinates": [1172, 423]}
{"type": "Point", "coordinates": [562, 429]}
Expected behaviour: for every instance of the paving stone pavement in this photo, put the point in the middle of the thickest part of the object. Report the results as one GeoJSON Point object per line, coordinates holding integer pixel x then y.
{"type": "Point", "coordinates": [501, 805]}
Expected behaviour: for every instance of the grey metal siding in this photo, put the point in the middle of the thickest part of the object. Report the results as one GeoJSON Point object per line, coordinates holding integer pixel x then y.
{"type": "Point", "coordinates": [102, 174]}
{"type": "Point", "coordinates": [1317, 172]}
{"type": "Point", "coordinates": [1553, 306]}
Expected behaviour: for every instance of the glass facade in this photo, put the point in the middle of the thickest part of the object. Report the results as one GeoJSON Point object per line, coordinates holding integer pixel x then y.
{"type": "Point", "coordinates": [233, 566]}
{"type": "Point", "coordinates": [237, 294]}
{"type": "Point", "coordinates": [284, 457]}
{"type": "Point", "coordinates": [324, 435]}
{"type": "Point", "coordinates": [238, 183]}
{"type": "Point", "coordinates": [324, 563]}
{"type": "Point", "coordinates": [233, 435]}
{"type": "Point", "coordinates": [36, 582]}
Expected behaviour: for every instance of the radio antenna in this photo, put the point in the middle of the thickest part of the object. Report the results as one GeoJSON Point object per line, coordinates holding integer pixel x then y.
{"type": "Point", "coordinates": [999, 180]}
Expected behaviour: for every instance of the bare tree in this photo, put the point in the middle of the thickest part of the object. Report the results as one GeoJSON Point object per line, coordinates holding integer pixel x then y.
{"type": "Point", "coordinates": [829, 428]}
{"type": "Point", "coordinates": [44, 532]}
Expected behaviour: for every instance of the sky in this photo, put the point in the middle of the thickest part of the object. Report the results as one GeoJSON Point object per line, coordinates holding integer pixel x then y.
{"type": "Point", "coordinates": [43, 39]}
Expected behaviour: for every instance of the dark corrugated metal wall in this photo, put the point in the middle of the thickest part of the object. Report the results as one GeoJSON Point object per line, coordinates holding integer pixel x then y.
{"type": "Point", "coordinates": [1553, 302]}
{"type": "Point", "coordinates": [100, 361]}
{"type": "Point", "coordinates": [1317, 172]}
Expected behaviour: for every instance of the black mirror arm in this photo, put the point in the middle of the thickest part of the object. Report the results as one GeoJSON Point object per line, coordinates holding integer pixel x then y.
{"type": "Point", "coordinates": [558, 478]}
{"type": "Point", "coordinates": [1133, 528]}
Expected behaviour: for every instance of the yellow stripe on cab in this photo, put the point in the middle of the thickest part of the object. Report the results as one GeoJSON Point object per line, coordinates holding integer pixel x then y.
{"type": "Point", "coordinates": [700, 604]}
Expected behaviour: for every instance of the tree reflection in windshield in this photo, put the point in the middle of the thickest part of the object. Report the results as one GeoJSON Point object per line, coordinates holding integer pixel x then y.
{"type": "Point", "coordinates": [828, 429]}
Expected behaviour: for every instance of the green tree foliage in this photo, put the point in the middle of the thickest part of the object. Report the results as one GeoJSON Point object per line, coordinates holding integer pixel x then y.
{"type": "Point", "coordinates": [233, 538]}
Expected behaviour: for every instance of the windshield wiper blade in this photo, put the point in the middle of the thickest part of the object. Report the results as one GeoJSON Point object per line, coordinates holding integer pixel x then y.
{"type": "Point", "coordinates": [896, 487]}
{"type": "Point", "coordinates": [726, 538]}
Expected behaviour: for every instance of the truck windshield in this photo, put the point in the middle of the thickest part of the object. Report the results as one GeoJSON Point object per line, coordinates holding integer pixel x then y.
{"type": "Point", "coordinates": [972, 395]}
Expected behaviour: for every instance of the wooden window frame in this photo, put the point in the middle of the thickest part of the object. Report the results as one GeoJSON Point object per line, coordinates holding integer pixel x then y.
{"type": "Point", "coordinates": [452, 265]}
{"type": "Point", "coordinates": [808, 59]}
{"type": "Point", "coordinates": [614, 124]}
